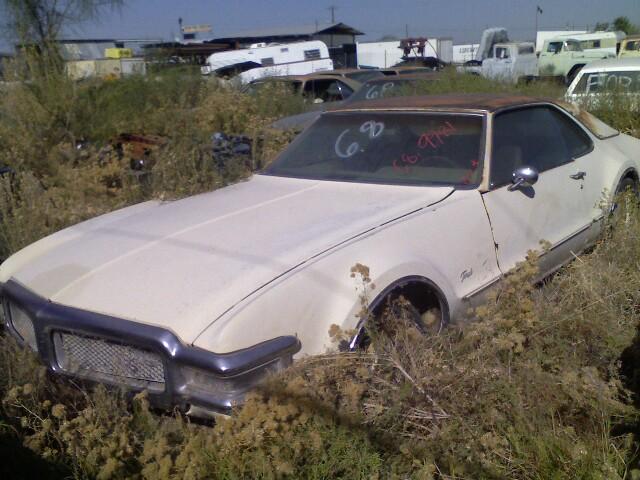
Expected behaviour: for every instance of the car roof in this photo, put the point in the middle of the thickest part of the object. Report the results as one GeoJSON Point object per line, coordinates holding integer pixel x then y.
{"type": "Point", "coordinates": [455, 102]}
{"type": "Point", "coordinates": [406, 67]}
{"type": "Point", "coordinates": [354, 84]}
{"type": "Point", "coordinates": [339, 71]}
{"type": "Point", "coordinates": [632, 63]}
{"type": "Point", "coordinates": [427, 75]}
{"type": "Point", "coordinates": [285, 78]}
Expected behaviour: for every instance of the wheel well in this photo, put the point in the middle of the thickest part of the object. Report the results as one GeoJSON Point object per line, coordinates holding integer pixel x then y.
{"type": "Point", "coordinates": [632, 174]}
{"type": "Point", "coordinates": [420, 292]}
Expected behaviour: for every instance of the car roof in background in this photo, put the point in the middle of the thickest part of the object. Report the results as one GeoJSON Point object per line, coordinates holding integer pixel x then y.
{"type": "Point", "coordinates": [459, 102]}
{"type": "Point", "coordinates": [410, 77]}
{"type": "Point", "coordinates": [340, 71]}
{"type": "Point", "coordinates": [612, 64]}
{"type": "Point", "coordinates": [311, 76]}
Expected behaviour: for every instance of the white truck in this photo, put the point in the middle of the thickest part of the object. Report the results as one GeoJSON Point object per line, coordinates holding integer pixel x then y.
{"type": "Point", "coordinates": [511, 62]}
{"type": "Point", "coordinates": [269, 60]}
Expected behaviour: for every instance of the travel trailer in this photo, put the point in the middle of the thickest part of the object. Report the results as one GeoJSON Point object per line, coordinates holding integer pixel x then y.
{"type": "Point", "coordinates": [269, 60]}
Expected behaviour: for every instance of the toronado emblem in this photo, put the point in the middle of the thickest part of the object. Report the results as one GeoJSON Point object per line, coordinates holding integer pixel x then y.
{"type": "Point", "coordinates": [466, 274]}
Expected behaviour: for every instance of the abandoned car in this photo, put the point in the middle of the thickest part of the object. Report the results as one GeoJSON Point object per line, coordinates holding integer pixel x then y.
{"type": "Point", "coordinates": [197, 300]}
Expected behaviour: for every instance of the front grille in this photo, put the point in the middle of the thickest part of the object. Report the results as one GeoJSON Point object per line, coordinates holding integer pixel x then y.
{"type": "Point", "coordinates": [104, 360]}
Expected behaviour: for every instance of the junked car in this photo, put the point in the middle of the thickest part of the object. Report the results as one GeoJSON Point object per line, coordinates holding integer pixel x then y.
{"type": "Point", "coordinates": [358, 74]}
{"type": "Point", "coordinates": [376, 88]}
{"type": "Point", "coordinates": [607, 80]}
{"type": "Point", "coordinates": [315, 88]}
{"type": "Point", "coordinates": [197, 300]}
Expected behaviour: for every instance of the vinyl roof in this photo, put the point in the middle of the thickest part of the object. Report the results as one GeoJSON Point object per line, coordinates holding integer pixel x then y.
{"type": "Point", "coordinates": [475, 102]}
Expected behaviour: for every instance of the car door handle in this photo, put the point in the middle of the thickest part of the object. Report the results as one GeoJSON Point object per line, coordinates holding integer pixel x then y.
{"type": "Point", "coordinates": [578, 176]}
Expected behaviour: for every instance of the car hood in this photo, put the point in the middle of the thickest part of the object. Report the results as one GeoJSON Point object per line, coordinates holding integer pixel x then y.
{"type": "Point", "coordinates": [181, 264]}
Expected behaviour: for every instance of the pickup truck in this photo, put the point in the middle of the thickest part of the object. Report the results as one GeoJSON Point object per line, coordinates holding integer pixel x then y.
{"type": "Point", "coordinates": [562, 57]}
{"type": "Point", "coordinates": [511, 62]}
{"type": "Point", "coordinates": [630, 47]}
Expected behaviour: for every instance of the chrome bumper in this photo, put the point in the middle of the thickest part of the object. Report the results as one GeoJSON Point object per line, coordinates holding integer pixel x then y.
{"type": "Point", "coordinates": [234, 374]}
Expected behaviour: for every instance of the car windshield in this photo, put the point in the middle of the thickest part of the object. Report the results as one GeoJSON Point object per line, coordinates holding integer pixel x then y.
{"type": "Point", "coordinates": [392, 87]}
{"type": "Point", "coordinates": [408, 148]}
{"type": "Point", "coordinates": [594, 82]}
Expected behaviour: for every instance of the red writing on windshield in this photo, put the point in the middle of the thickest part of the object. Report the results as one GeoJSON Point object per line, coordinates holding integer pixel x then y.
{"type": "Point", "coordinates": [435, 138]}
{"type": "Point", "coordinates": [466, 179]}
{"type": "Point", "coordinates": [406, 161]}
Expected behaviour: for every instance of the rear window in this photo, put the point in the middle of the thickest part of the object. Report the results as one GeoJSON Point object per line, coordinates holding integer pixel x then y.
{"type": "Point", "coordinates": [386, 147]}
{"type": "Point", "coordinates": [596, 82]}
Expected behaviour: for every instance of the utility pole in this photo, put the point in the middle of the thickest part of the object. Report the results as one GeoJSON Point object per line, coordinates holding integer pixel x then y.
{"type": "Point", "coordinates": [333, 9]}
{"type": "Point", "coordinates": [538, 11]}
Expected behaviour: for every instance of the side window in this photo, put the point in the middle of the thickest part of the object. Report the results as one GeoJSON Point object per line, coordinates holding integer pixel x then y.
{"type": "Point", "coordinates": [577, 141]}
{"type": "Point", "coordinates": [312, 54]}
{"type": "Point", "coordinates": [502, 52]}
{"type": "Point", "coordinates": [532, 136]}
{"type": "Point", "coordinates": [345, 90]}
{"type": "Point", "coordinates": [554, 47]}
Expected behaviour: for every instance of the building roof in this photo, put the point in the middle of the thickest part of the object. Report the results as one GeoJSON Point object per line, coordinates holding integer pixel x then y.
{"type": "Point", "coordinates": [294, 31]}
{"type": "Point", "coordinates": [458, 102]}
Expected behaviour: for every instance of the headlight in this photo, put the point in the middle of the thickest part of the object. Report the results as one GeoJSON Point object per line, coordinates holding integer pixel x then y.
{"type": "Point", "coordinates": [23, 325]}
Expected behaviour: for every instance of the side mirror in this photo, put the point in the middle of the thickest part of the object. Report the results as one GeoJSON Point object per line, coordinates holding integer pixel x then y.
{"type": "Point", "coordinates": [523, 177]}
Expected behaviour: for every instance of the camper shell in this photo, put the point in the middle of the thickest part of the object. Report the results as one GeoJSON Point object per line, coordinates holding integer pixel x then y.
{"type": "Point", "coordinates": [599, 41]}
{"type": "Point", "coordinates": [270, 60]}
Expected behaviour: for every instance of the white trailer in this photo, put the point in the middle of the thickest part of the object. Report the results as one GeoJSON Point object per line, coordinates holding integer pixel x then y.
{"type": "Point", "coordinates": [270, 60]}
{"type": "Point", "coordinates": [464, 53]}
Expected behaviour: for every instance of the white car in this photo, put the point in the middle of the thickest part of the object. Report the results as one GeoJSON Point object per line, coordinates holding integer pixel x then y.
{"type": "Point", "coordinates": [597, 79]}
{"type": "Point", "coordinates": [197, 299]}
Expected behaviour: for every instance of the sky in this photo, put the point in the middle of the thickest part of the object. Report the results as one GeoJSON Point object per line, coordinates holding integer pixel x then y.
{"type": "Point", "coordinates": [463, 20]}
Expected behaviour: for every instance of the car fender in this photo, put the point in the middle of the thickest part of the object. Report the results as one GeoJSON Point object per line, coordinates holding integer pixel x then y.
{"type": "Point", "coordinates": [458, 257]}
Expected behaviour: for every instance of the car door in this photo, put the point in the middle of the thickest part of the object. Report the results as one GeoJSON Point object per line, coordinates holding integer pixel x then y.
{"type": "Point", "coordinates": [551, 210]}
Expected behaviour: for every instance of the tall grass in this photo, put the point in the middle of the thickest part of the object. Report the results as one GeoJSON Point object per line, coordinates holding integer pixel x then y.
{"type": "Point", "coordinates": [532, 391]}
